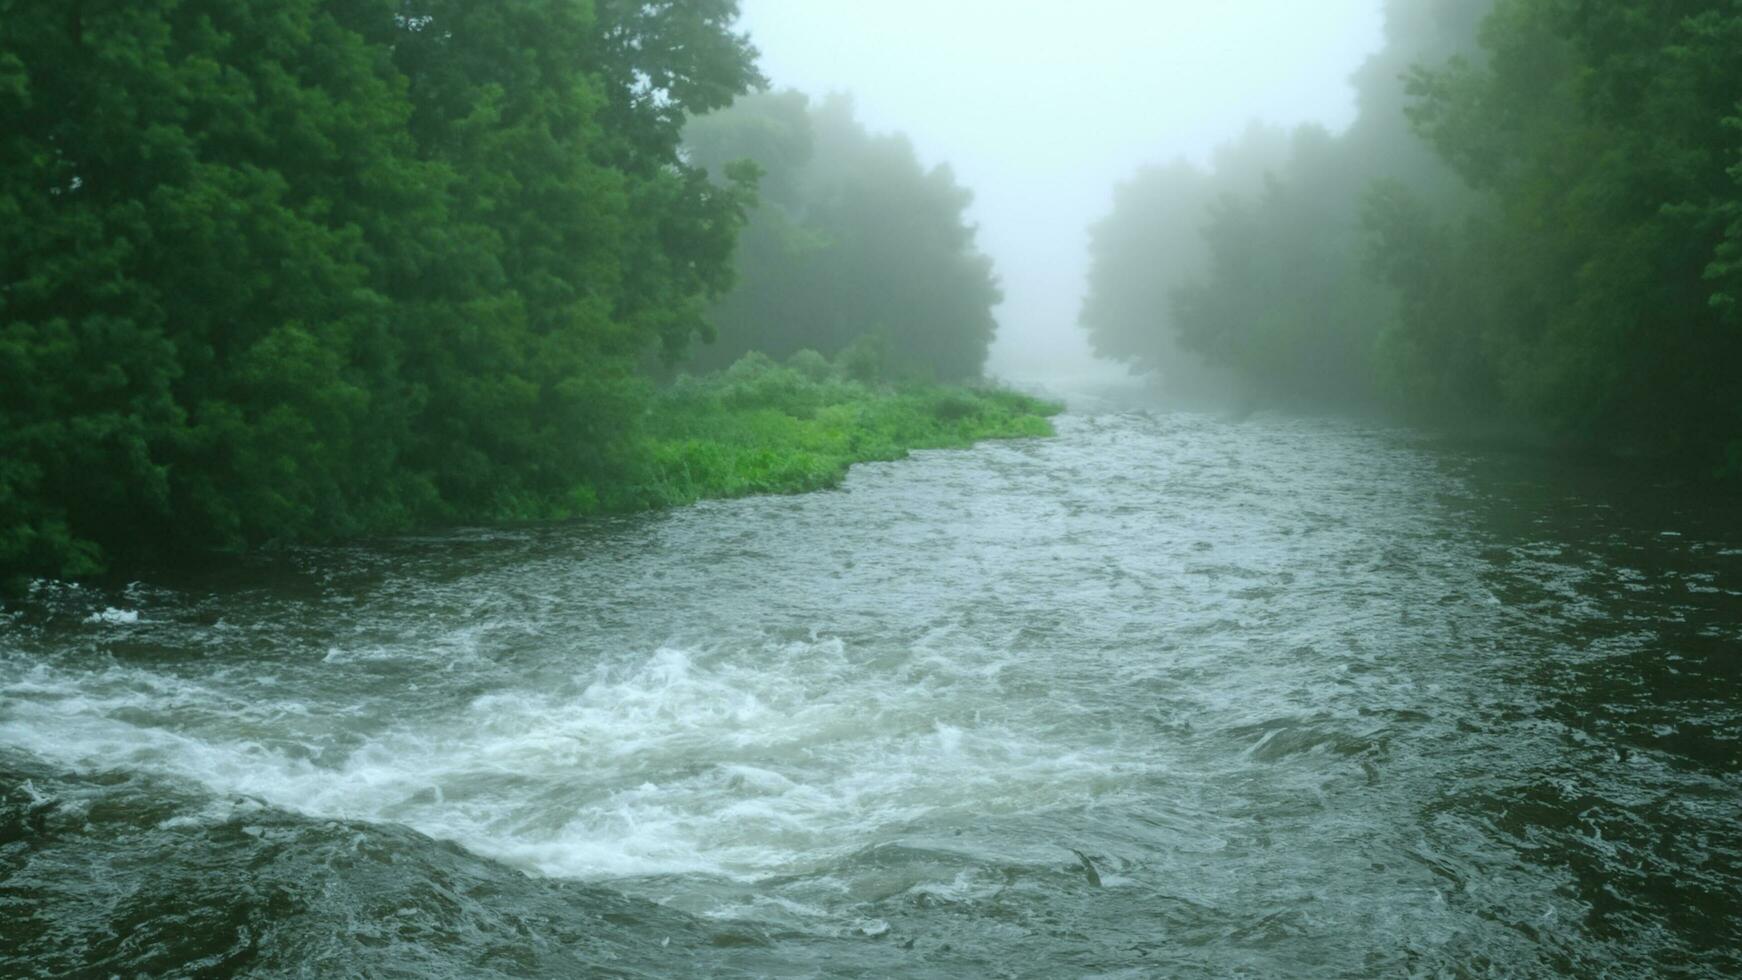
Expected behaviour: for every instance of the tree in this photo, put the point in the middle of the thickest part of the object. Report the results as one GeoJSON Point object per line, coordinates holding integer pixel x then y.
{"type": "Point", "coordinates": [1276, 289]}
{"type": "Point", "coordinates": [854, 238]}
{"type": "Point", "coordinates": [1598, 129]}
{"type": "Point", "coordinates": [1537, 226]}
{"type": "Point", "coordinates": [304, 268]}
{"type": "Point", "coordinates": [1152, 245]}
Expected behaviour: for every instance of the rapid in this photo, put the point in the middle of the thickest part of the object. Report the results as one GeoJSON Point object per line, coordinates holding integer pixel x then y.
{"type": "Point", "coordinates": [1166, 695]}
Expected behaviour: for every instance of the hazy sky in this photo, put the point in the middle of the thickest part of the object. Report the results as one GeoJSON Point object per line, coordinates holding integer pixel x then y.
{"type": "Point", "coordinates": [1042, 108]}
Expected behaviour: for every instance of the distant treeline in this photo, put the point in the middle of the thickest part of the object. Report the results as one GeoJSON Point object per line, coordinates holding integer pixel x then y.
{"type": "Point", "coordinates": [854, 243]}
{"type": "Point", "coordinates": [300, 269]}
{"type": "Point", "coordinates": [1535, 221]}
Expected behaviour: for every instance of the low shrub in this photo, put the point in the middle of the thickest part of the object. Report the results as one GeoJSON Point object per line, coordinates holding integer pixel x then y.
{"type": "Point", "coordinates": [761, 427]}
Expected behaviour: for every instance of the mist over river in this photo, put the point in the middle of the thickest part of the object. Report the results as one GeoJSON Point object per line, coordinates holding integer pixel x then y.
{"type": "Point", "coordinates": [1166, 695]}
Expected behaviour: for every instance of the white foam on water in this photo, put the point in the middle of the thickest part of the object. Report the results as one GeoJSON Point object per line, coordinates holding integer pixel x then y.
{"type": "Point", "coordinates": [114, 617]}
{"type": "Point", "coordinates": [1004, 712]}
{"type": "Point", "coordinates": [738, 764]}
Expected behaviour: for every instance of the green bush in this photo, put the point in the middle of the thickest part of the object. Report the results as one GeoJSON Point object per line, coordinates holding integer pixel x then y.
{"type": "Point", "coordinates": [761, 427]}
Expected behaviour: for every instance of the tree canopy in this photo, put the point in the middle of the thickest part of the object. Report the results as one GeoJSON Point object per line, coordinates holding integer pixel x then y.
{"type": "Point", "coordinates": [1257, 265]}
{"type": "Point", "coordinates": [302, 268]}
{"type": "Point", "coordinates": [1604, 139]}
{"type": "Point", "coordinates": [1533, 221]}
{"type": "Point", "coordinates": [854, 242]}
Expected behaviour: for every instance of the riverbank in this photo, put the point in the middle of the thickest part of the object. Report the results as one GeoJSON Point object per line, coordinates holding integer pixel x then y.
{"type": "Point", "coordinates": [766, 428]}
{"type": "Point", "coordinates": [1312, 697]}
{"type": "Point", "coordinates": [757, 428]}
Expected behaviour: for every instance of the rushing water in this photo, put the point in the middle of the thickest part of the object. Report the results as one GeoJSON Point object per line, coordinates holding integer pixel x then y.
{"type": "Point", "coordinates": [1163, 696]}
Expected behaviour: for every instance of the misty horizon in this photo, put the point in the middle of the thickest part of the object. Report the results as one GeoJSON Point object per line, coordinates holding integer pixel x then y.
{"type": "Point", "coordinates": [1043, 122]}
{"type": "Point", "coordinates": [819, 488]}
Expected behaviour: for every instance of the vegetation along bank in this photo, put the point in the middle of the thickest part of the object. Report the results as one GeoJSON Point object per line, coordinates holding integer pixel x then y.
{"type": "Point", "coordinates": [296, 270]}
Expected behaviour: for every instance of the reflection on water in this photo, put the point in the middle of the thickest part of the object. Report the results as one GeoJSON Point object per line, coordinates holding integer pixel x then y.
{"type": "Point", "coordinates": [1165, 694]}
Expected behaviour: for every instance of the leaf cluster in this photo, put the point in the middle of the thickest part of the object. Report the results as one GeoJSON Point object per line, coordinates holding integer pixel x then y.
{"type": "Point", "coordinates": [295, 269]}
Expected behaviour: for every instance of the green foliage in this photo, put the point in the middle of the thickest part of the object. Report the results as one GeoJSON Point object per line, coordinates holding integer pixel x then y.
{"type": "Point", "coordinates": [1284, 301]}
{"type": "Point", "coordinates": [1598, 133]}
{"type": "Point", "coordinates": [762, 427]}
{"type": "Point", "coordinates": [1152, 246]}
{"type": "Point", "coordinates": [853, 239]}
{"type": "Point", "coordinates": [306, 268]}
{"type": "Point", "coordinates": [1536, 220]}
{"type": "Point", "coordinates": [866, 359]}
{"type": "Point", "coordinates": [1257, 267]}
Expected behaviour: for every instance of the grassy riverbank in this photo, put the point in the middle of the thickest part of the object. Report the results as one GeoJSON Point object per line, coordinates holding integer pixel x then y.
{"type": "Point", "coordinates": [761, 427]}
{"type": "Point", "coordinates": [756, 428]}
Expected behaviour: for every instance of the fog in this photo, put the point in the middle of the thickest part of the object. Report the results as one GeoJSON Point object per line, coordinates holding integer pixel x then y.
{"type": "Point", "coordinates": [868, 488]}
{"type": "Point", "coordinates": [1042, 116]}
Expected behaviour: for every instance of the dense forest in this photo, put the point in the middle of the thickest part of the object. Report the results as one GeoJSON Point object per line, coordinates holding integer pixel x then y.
{"type": "Point", "coordinates": [854, 243]}
{"type": "Point", "coordinates": [315, 268]}
{"type": "Point", "coordinates": [303, 269]}
{"type": "Point", "coordinates": [1535, 223]}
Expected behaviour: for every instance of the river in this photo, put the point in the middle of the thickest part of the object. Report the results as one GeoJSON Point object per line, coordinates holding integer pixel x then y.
{"type": "Point", "coordinates": [1168, 695]}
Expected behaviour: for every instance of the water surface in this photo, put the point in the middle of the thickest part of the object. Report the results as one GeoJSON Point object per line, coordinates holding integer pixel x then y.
{"type": "Point", "coordinates": [1166, 695]}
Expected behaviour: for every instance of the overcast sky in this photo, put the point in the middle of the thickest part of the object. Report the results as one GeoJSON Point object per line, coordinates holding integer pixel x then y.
{"type": "Point", "coordinates": [1042, 108]}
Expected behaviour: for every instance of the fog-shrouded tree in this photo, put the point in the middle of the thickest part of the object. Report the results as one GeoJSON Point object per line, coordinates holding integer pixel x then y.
{"type": "Point", "coordinates": [854, 241]}
{"type": "Point", "coordinates": [1608, 138]}
{"type": "Point", "coordinates": [1258, 266]}
{"type": "Point", "coordinates": [1535, 222]}
{"type": "Point", "coordinates": [313, 267]}
{"type": "Point", "coordinates": [1151, 245]}
{"type": "Point", "coordinates": [1290, 300]}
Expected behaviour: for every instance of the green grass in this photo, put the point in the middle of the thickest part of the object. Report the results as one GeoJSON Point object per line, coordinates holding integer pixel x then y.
{"type": "Point", "coordinates": [763, 428]}
{"type": "Point", "coordinates": [766, 428]}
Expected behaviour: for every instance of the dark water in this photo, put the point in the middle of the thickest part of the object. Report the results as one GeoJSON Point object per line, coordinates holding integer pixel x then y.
{"type": "Point", "coordinates": [1163, 696]}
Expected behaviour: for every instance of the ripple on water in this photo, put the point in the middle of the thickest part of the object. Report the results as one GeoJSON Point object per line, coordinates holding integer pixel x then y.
{"type": "Point", "coordinates": [1167, 694]}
